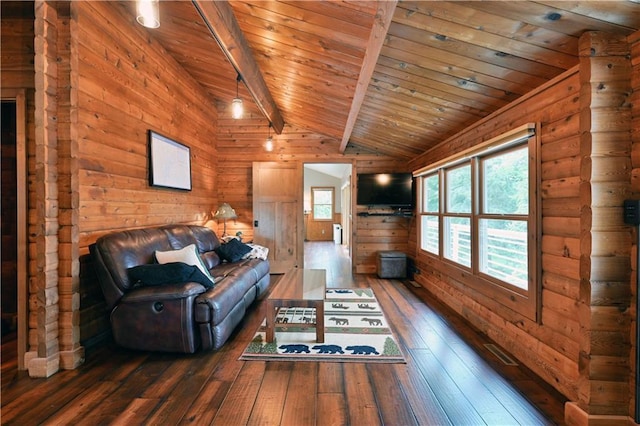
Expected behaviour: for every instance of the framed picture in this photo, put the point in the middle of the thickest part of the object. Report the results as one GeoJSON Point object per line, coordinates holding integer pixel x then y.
{"type": "Point", "coordinates": [169, 163]}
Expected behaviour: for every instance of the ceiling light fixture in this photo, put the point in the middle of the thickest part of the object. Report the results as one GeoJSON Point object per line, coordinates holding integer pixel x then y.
{"type": "Point", "coordinates": [236, 103]}
{"type": "Point", "coordinates": [148, 13]}
{"type": "Point", "coordinates": [268, 145]}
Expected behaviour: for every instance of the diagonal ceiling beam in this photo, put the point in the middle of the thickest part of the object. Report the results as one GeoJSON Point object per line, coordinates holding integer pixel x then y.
{"type": "Point", "coordinates": [219, 18]}
{"type": "Point", "coordinates": [381, 24]}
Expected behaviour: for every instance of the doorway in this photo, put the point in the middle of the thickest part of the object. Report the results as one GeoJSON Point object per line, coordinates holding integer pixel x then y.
{"type": "Point", "coordinates": [13, 287]}
{"type": "Point", "coordinates": [319, 180]}
{"type": "Point", "coordinates": [9, 286]}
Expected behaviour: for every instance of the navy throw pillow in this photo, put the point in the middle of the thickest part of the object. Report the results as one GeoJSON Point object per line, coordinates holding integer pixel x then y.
{"type": "Point", "coordinates": [167, 273]}
{"type": "Point", "coordinates": [233, 251]}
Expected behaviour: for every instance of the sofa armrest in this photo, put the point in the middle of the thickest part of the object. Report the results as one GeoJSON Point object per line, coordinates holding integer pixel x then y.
{"type": "Point", "coordinates": [163, 292]}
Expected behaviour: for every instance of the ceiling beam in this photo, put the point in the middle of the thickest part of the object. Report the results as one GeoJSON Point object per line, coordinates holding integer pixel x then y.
{"type": "Point", "coordinates": [219, 18]}
{"type": "Point", "coordinates": [381, 24]}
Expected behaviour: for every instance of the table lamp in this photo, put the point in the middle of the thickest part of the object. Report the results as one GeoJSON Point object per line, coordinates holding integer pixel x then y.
{"type": "Point", "coordinates": [224, 212]}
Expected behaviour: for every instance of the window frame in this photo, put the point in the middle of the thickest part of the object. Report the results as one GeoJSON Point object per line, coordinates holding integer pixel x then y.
{"type": "Point", "coordinates": [484, 288]}
{"type": "Point", "coordinates": [313, 202]}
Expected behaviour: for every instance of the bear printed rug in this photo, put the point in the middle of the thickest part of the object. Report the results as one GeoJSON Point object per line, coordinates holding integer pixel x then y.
{"type": "Point", "coordinates": [355, 331]}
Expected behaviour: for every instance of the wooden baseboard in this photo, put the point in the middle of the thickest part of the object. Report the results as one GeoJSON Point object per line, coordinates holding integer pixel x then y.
{"type": "Point", "coordinates": [576, 416]}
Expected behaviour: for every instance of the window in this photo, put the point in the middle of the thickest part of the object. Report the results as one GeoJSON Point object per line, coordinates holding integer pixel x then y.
{"type": "Point", "coordinates": [430, 224]}
{"type": "Point", "coordinates": [322, 202]}
{"type": "Point", "coordinates": [478, 214]}
{"type": "Point", "coordinates": [457, 215]}
{"type": "Point", "coordinates": [504, 214]}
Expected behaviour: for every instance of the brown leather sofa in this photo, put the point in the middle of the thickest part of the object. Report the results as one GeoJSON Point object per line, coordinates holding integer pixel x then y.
{"type": "Point", "coordinates": [176, 317]}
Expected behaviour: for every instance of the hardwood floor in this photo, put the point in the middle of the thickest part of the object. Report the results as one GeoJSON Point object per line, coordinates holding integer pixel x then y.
{"type": "Point", "coordinates": [450, 377]}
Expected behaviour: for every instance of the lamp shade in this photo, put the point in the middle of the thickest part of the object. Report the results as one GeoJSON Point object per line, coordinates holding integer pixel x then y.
{"type": "Point", "coordinates": [225, 211]}
{"type": "Point", "coordinates": [236, 108]}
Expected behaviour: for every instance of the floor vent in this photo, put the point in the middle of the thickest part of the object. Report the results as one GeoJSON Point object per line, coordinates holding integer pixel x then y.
{"type": "Point", "coordinates": [506, 359]}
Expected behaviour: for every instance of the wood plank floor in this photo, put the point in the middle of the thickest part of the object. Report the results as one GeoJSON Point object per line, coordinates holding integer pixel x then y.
{"type": "Point", "coordinates": [450, 377]}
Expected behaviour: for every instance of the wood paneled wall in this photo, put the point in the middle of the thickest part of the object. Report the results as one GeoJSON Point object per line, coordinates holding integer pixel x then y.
{"type": "Point", "coordinates": [554, 347]}
{"type": "Point", "coordinates": [241, 142]}
{"type": "Point", "coordinates": [127, 84]}
{"type": "Point", "coordinates": [102, 83]}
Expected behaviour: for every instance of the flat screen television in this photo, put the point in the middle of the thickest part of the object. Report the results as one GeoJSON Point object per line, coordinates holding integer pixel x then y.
{"type": "Point", "coordinates": [385, 189]}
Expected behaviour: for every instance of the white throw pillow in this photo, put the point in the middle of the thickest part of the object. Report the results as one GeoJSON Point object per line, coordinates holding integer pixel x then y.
{"type": "Point", "coordinates": [188, 255]}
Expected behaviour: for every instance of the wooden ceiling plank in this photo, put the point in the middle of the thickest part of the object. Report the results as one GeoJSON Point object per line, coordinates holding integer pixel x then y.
{"type": "Point", "coordinates": [394, 109]}
{"type": "Point", "coordinates": [499, 25]}
{"type": "Point", "coordinates": [284, 39]}
{"type": "Point", "coordinates": [326, 64]}
{"type": "Point", "coordinates": [537, 14]}
{"type": "Point", "coordinates": [485, 39]}
{"type": "Point", "coordinates": [416, 74]}
{"type": "Point", "coordinates": [429, 55]}
{"type": "Point", "coordinates": [424, 86]}
{"type": "Point", "coordinates": [384, 16]}
{"type": "Point", "coordinates": [466, 75]}
{"type": "Point", "coordinates": [322, 26]}
{"type": "Point", "coordinates": [219, 19]}
{"type": "Point", "coordinates": [418, 94]}
{"type": "Point", "coordinates": [625, 14]}
{"type": "Point", "coordinates": [475, 51]}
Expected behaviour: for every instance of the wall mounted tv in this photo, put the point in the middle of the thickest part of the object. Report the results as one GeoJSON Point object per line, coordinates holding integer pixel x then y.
{"type": "Point", "coordinates": [385, 189]}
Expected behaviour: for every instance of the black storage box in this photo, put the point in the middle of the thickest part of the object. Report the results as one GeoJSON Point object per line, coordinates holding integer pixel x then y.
{"type": "Point", "coordinates": [392, 264]}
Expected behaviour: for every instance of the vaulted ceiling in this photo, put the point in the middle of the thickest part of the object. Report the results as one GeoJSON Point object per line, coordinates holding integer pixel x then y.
{"type": "Point", "coordinates": [389, 78]}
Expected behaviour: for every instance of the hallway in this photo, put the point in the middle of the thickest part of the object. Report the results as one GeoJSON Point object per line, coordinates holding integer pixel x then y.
{"type": "Point", "coordinates": [332, 257]}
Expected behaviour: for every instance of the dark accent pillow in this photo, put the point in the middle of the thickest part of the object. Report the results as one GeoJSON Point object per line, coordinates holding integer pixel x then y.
{"type": "Point", "coordinates": [167, 273]}
{"type": "Point", "coordinates": [233, 251]}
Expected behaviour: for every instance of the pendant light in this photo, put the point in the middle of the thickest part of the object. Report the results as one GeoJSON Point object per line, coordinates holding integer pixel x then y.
{"type": "Point", "coordinates": [148, 13]}
{"type": "Point", "coordinates": [236, 103]}
{"type": "Point", "coordinates": [268, 145]}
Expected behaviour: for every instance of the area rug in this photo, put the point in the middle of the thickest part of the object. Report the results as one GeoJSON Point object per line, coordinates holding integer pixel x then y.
{"type": "Point", "coordinates": [355, 331]}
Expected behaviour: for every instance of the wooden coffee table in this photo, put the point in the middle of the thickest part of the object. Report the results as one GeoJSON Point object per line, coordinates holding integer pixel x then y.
{"type": "Point", "coordinates": [298, 288]}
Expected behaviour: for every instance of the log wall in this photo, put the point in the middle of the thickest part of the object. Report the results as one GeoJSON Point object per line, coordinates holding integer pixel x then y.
{"type": "Point", "coordinates": [551, 347]}
{"type": "Point", "coordinates": [43, 358]}
{"type": "Point", "coordinates": [17, 75]}
{"type": "Point", "coordinates": [241, 143]}
{"type": "Point", "coordinates": [129, 84]}
{"type": "Point", "coordinates": [126, 85]}
{"type": "Point", "coordinates": [559, 347]}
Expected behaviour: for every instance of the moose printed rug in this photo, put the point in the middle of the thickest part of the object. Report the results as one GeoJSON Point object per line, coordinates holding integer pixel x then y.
{"type": "Point", "coordinates": [355, 331]}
